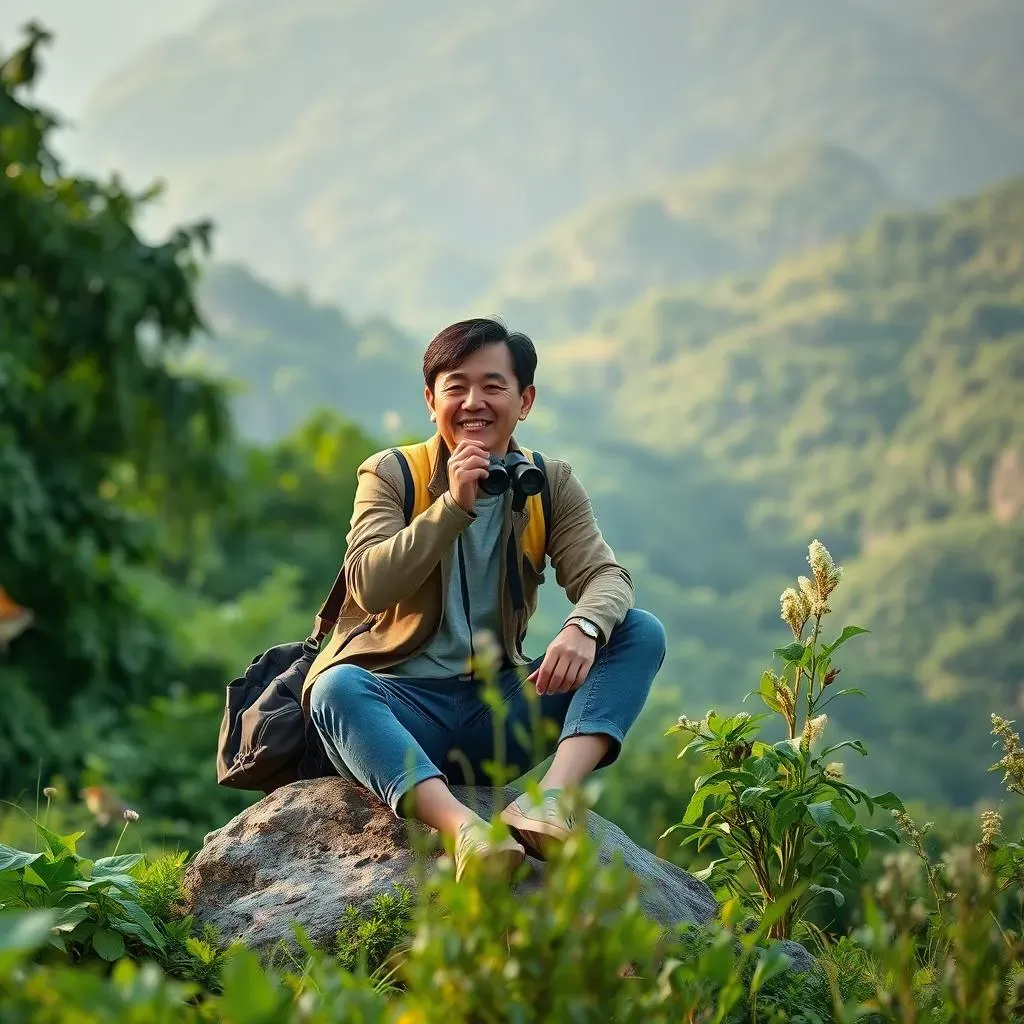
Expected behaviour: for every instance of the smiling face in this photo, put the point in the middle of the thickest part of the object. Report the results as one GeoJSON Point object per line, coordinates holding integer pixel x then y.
{"type": "Point", "coordinates": [480, 399]}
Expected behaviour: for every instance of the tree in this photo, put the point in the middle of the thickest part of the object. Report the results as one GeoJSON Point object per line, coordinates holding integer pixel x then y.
{"type": "Point", "coordinates": [106, 449]}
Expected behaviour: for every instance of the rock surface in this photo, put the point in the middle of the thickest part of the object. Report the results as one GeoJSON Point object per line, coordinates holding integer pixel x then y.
{"type": "Point", "coordinates": [311, 848]}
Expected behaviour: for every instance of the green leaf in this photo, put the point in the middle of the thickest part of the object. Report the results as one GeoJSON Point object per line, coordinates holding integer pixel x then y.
{"type": "Point", "coordinates": [888, 801]}
{"type": "Point", "coordinates": [847, 634]}
{"type": "Point", "coordinates": [822, 814]}
{"type": "Point", "coordinates": [115, 865]}
{"type": "Point", "coordinates": [888, 834]}
{"type": "Point", "coordinates": [752, 794]}
{"type": "Point", "coordinates": [70, 917]}
{"type": "Point", "coordinates": [104, 883]}
{"type": "Point", "coordinates": [143, 921]}
{"type": "Point", "coordinates": [12, 859]}
{"type": "Point", "coordinates": [836, 895]}
{"type": "Point", "coordinates": [792, 653]}
{"type": "Point", "coordinates": [108, 944]}
{"type": "Point", "coordinates": [853, 744]}
{"type": "Point", "coordinates": [772, 962]}
{"type": "Point", "coordinates": [767, 690]}
{"type": "Point", "coordinates": [789, 810]}
{"type": "Point", "coordinates": [60, 846]}
{"type": "Point", "coordinates": [855, 690]}
{"type": "Point", "coordinates": [844, 811]}
{"type": "Point", "coordinates": [31, 877]}
{"type": "Point", "coordinates": [695, 808]}
{"type": "Point", "coordinates": [695, 744]}
{"type": "Point", "coordinates": [55, 875]}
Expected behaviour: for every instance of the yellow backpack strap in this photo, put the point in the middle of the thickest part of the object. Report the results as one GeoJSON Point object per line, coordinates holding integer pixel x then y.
{"type": "Point", "coordinates": [414, 460]}
{"type": "Point", "coordinates": [538, 527]}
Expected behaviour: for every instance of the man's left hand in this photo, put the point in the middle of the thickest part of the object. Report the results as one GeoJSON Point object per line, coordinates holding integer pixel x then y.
{"type": "Point", "coordinates": [568, 659]}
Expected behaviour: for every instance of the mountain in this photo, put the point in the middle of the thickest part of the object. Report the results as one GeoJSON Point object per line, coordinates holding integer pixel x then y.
{"type": "Point", "coordinates": [740, 215]}
{"type": "Point", "coordinates": [392, 155]}
{"type": "Point", "coordinates": [290, 356]}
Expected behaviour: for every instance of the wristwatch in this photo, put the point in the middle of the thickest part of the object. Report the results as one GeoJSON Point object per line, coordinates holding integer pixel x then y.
{"type": "Point", "coordinates": [585, 625]}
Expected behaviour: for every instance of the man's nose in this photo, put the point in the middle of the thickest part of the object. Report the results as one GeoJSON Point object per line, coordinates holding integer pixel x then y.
{"type": "Point", "coordinates": [474, 398]}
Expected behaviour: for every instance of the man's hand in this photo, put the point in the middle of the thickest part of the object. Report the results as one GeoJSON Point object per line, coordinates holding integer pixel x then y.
{"type": "Point", "coordinates": [467, 466]}
{"type": "Point", "coordinates": [568, 659]}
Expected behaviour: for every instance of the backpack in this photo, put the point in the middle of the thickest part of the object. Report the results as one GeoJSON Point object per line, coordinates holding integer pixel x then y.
{"type": "Point", "coordinates": [265, 740]}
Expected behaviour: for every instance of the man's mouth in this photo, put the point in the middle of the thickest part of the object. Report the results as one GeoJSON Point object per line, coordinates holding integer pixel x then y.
{"type": "Point", "coordinates": [475, 424]}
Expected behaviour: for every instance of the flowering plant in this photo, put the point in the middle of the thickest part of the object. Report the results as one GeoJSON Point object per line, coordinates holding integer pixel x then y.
{"type": "Point", "coordinates": [783, 811]}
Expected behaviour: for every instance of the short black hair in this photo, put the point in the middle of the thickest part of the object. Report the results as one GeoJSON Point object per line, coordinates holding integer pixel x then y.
{"type": "Point", "coordinates": [458, 342]}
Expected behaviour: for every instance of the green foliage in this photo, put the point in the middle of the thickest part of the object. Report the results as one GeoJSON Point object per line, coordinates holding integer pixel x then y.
{"type": "Point", "coordinates": [367, 939]}
{"type": "Point", "coordinates": [95, 904]}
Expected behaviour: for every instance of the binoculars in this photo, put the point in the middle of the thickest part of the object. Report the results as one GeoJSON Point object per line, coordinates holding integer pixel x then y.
{"type": "Point", "coordinates": [514, 470]}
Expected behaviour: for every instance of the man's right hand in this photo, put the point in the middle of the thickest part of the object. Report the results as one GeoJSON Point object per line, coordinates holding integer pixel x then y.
{"type": "Point", "coordinates": [467, 466]}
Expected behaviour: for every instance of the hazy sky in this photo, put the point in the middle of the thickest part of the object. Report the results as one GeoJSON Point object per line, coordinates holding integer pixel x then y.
{"type": "Point", "coordinates": [93, 39]}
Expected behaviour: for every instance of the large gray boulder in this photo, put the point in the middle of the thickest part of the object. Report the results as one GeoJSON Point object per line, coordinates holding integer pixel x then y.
{"type": "Point", "coordinates": [312, 848]}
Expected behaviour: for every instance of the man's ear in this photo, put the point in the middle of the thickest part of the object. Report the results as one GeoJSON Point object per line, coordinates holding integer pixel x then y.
{"type": "Point", "coordinates": [528, 396]}
{"type": "Point", "coordinates": [428, 397]}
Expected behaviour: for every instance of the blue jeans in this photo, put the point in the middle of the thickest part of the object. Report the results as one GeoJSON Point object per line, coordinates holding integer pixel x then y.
{"type": "Point", "coordinates": [392, 734]}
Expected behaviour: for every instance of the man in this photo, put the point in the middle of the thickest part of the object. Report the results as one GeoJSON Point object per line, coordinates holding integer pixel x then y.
{"type": "Point", "coordinates": [390, 693]}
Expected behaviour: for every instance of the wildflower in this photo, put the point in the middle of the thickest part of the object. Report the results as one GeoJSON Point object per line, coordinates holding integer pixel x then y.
{"type": "Point", "coordinates": [825, 572]}
{"type": "Point", "coordinates": [784, 695]}
{"type": "Point", "coordinates": [991, 827]}
{"type": "Point", "coordinates": [915, 833]}
{"type": "Point", "coordinates": [742, 716]}
{"type": "Point", "coordinates": [1012, 761]}
{"type": "Point", "coordinates": [834, 770]}
{"type": "Point", "coordinates": [830, 676]}
{"type": "Point", "coordinates": [130, 815]}
{"type": "Point", "coordinates": [795, 610]}
{"type": "Point", "coordinates": [50, 792]}
{"type": "Point", "coordinates": [991, 831]}
{"type": "Point", "coordinates": [813, 729]}
{"type": "Point", "coordinates": [688, 724]}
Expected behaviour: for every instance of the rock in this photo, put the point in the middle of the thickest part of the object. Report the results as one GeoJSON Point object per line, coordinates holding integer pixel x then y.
{"type": "Point", "coordinates": [311, 848]}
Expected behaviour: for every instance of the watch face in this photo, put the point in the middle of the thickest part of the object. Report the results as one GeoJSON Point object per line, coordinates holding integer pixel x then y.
{"type": "Point", "coordinates": [588, 627]}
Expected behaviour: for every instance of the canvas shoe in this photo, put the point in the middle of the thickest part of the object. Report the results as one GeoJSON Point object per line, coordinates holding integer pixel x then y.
{"type": "Point", "coordinates": [540, 824]}
{"type": "Point", "coordinates": [475, 843]}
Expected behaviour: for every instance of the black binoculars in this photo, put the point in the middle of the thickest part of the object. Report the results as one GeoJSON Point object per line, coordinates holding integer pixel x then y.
{"type": "Point", "coordinates": [514, 470]}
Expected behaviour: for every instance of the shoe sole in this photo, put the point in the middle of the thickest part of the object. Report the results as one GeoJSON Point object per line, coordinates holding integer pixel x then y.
{"type": "Point", "coordinates": [538, 836]}
{"type": "Point", "coordinates": [497, 864]}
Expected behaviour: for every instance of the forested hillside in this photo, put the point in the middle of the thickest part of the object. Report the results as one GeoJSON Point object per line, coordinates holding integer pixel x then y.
{"type": "Point", "coordinates": [287, 356]}
{"type": "Point", "coordinates": [391, 155]}
{"type": "Point", "coordinates": [739, 215]}
{"type": "Point", "coordinates": [869, 392]}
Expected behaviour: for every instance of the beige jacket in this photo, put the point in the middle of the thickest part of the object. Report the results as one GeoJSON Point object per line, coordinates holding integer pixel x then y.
{"type": "Point", "coordinates": [398, 575]}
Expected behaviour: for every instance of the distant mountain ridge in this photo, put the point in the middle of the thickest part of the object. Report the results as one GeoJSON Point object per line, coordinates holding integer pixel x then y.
{"type": "Point", "coordinates": [391, 155]}
{"type": "Point", "coordinates": [739, 216]}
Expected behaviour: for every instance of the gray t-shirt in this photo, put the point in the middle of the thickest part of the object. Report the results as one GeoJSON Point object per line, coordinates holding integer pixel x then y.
{"type": "Point", "coordinates": [448, 653]}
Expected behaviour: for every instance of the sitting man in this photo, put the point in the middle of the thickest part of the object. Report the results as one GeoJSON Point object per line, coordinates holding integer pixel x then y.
{"type": "Point", "coordinates": [393, 693]}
